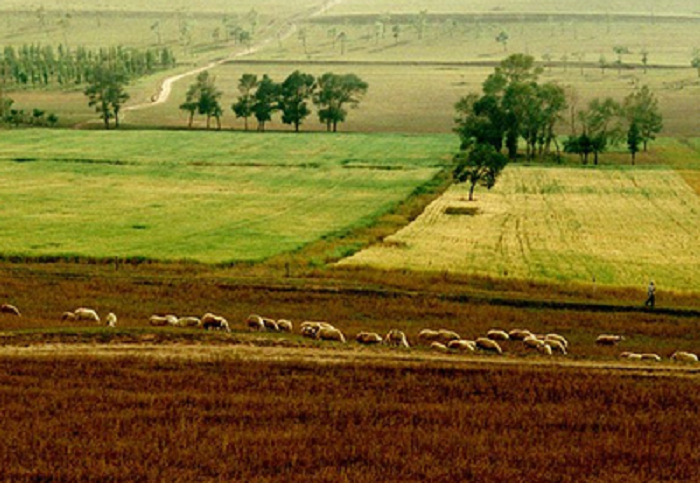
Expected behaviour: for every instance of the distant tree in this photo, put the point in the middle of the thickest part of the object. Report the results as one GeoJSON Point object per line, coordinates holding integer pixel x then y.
{"type": "Point", "coordinates": [155, 28]}
{"type": "Point", "coordinates": [395, 32]}
{"type": "Point", "coordinates": [642, 108]}
{"type": "Point", "coordinates": [601, 124]}
{"type": "Point", "coordinates": [335, 92]}
{"type": "Point", "coordinates": [295, 92]}
{"type": "Point", "coordinates": [52, 119]}
{"type": "Point", "coordinates": [645, 59]}
{"type": "Point", "coordinates": [105, 92]}
{"type": "Point", "coordinates": [620, 50]}
{"type": "Point", "coordinates": [265, 101]}
{"type": "Point", "coordinates": [202, 97]}
{"type": "Point", "coordinates": [579, 56]}
{"type": "Point", "coordinates": [695, 60]}
{"type": "Point", "coordinates": [245, 104]}
{"type": "Point", "coordinates": [302, 35]}
{"type": "Point", "coordinates": [634, 139]}
{"type": "Point", "coordinates": [420, 22]}
{"type": "Point", "coordinates": [343, 38]}
{"type": "Point", "coordinates": [502, 38]}
{"type": "Point", "coordinates": [480, 165]}
{"type": "Point", "coordinates": [603, 63]}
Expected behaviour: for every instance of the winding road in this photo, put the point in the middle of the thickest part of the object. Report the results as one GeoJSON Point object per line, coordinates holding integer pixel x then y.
{"type": "Point", "coordinates": [287, 30]}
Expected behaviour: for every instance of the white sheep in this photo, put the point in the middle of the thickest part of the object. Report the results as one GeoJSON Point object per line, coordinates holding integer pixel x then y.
{"type": "Point", "coordinates": [86, 314]}
{"type": "Point", "coordinates": [558, 337]}
{"type": "Point", "coordinates": [309, 331]}
{"type": "Point", "coordinates": [68, 316]}
{"type": "Point", "coordinates": [428, 335]}
{"type": "Point", "coordinates": [438, 346]}
{"type": "Point", "coordinates": [189, 321]}
{"type": "Point", "coordinates": [111, 320]}
{"type": "Point", "coordinates": [217, 322]}
{"type": "Point", "coordinates": [9, 309]}
{"type": "Point", "coordinates": [445, 336]}
{"type": "Point", "coordinates": [397, 338]}
{"type": "Point", "coordinates": [309, 323]}
{"type": "Point", "coordinates": [519, 334]}
{"type": "Point", "coordinates": [270, 325]}
{"type": "Point", "coordinates": [607, 339]}
{"type": "Point", "coordinates": [330, 334]}
{"type": "Point", "coordinates": [368, 338]}
{"type": "Point", "coordinates": [285, 325]}
{"type": "Point", "coordinates": [533, 342]}
{"type": "Point", "coordinates": [495, 334]}
{"type": "Point", "coordinates": [158, 321]}
{"type": "Point", "coordinates": [462, 345]}
{"type": "Point", "coordinates": [556, 345]}
{"type": "Point", "coordinates": [489, 345]}
{"type": "Point", "coordinates": [255, 322]}
{"type": "Point", "coordinates": [631, 356]}
{"type": "Point", "coordinates": [683, 356]}
{"type": "Point", "coordinates": [651, 357]}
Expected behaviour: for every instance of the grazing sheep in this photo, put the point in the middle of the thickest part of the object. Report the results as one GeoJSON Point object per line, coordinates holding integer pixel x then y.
{"type": "Point", "coordinates": [651, 357]}
{"type": "Point", "coordinates": [428, 335]}
{"type": "Point", "coordinates": [556, 345]}
{"type": "Point", "coordinates": [211, 321]}
{"type": "Point", "coordinates": [86, 314]}
{"type": "Point", "coordinates": [330, 333]}
{"type": "Point", "coordinates": [189, 321]}
{"type": "Point", "coordinates": [158, 321]}
{"type": "Point", "coordinates": [519, 334]}
{"type": "Point", "coordinates": [309, 323]}
{"type": "Point", "coordinates": [533, 342]}
{"type": "Point", "coordinates": [310, 331]}
{"type": "Point", "coordinates": [495, 334]}
{"type": "Point", "coordinates": [69, 316]}
{"type": "Point", "coordinates": [445, 336]}
{"type": "Point", "coordinates": [255, 322]}
{"type": "Point", "coordinates": [683, 356]}
{"type": "Point", "coordinates": [545, 349]}
{"type": "Point", "coordinates": [558, 337]}
{"type": "Point", "coordinates": [607, 339]}
{"type": "Point", "coordinates": [631, 356]}
{"type": "Point", "coordinates": [462, 345]}
{"type": "Point", "coordinates": [438, 346]}
{"type": "Point", "coordinates": [270, 325]}
{"type": "Point", "coordinates": [397, 338]}
{"type": "Point", "coordinates": [111, 320]}
{"type": "Point", "coordinates": [9, 309]}
{"type": "Point", "coordinates": [285, 325]}
{"type": "Point", "coordinates": [486, 344]}
{"type": "Point", "coordinates": [368, 338]}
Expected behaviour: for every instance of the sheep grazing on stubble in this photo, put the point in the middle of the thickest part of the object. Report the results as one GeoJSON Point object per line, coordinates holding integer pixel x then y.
{"type": "Point", "coordinates": [270, 325]}
{"type": "Point", "coordinates": [68, 316]}
{"type": "Point", "coordinates": [683, 356]}
{"type": "Point", "coordinates": [330, 334]}
{"type": "Point", "coordinates": [489, 345]}
{"type": "Point", "coordinates": [426, 336]}
{"type": "Point", "coordinates": [519, 334]}
{"type": "Point", "coordinates": [533, 342]}
{"type": "Point", "coordinates": [189, 321]}
{"type": "Point", "coordinates": [111, 320]}
{"type": "Point", "coordinates": [445, 336]}
{"type": "Point", "coordinates": [309, 331]}
{"type": "Point", "coordinates": [556, 345]}
{"type": "Point", "coordinates": [631, 356]}
{"type": "Point", "coordinates": [158, 320]}
{"type": "Point", "coordinates": [651, 357]}
{"type": "Point", "coordinates": [83, 313]}
{"type": "Point", "coordinates": [255, 323]}
{"type": "Point", "coordinates": [285, 325]}
{"type": "Point", "coordinates": [216, 322]}
{"type": "Point", "coordinates": [10, 310]}
{"type": "Point", "coordinates": [557, 337]}
{"type": "Point", "coordinates": [396, 338]}
{"type": "Point", "coordinates": [608, 339]}
{"type": "Point", "coordinates": [496, 334]}
{"type": "Point", "coordinates": [368, 338]}
{"type": "Point", "coordinates": [438, 346]}
{"type": "Point", "coordinates": [462, 345]}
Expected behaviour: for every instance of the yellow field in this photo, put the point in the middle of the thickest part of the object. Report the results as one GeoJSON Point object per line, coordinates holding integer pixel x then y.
{"type": "Point", "coordinates": [606, 226]}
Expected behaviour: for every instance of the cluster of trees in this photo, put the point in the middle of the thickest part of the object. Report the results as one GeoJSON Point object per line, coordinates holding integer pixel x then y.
{"type": "Point", "coordinates": [40, 66]}
{"type": "Point", "coordinates": [604, 123]}
{"type": "Point", "coordinates": [514, 109]}
{"type": "Point", "coordinates": [16, 117]}
{"type": "Point", "coordinates": [332, 94]}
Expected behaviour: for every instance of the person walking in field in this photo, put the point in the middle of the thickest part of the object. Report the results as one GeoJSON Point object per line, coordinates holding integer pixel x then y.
{"type": "Point", "coordinates": [651, 295]}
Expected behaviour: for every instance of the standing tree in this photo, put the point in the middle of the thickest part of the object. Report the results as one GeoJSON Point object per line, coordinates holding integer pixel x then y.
{"type": "Point", "coordinates": [481, 165]}
{"type": "Point", "coordinates": [502, 38]}
{"type": "Point", "coordinates": [203, 98]}
{"type": "Point", "coordinates": [334, 93]}
{"type": "Point", "coordinates": [641, 108]}
{"type": "Point", "coordinates": [695, 60]}
{"type": "Point", "coordinates": [634, 138]}
{"type": "Point", "coordinates": [105, 92]}
{"type": "Point", "coordinates": [601, 125]}
{"type": "Point", "coordinates": [265, 101]}
{"type": "Point", "coordinates": [295, 91]}
{"type": "Point", "coordinates": [395, 32]}
{"type": "Point", "coordinates": [244, 105]}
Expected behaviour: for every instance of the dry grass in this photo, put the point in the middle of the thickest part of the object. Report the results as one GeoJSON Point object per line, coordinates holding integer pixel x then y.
{"type": "Point", "coordinates": [610, 227]}
{"type": "Point", "coordinates": [145, 420]}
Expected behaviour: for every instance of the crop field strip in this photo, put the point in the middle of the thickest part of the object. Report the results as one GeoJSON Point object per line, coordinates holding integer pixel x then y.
{"type": "Point", "coordinates": [608, 226]}
{"type": "Point", "coordinates": [232, 201]}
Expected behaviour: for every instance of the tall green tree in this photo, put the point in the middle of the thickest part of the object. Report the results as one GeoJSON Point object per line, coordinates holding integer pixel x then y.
{"type": "Point", "coordinates": [203, 97]}
{"type": "Point", "coordinates": [106, 92]}
{"type": "Point", "coordinates": [244, 105]}
{"type": "Point", "coordinates": [265, 101]}
{"type": "Point", "coordinates": [336, 92]}
{"type": "Point", "coordinates": [642, 108]}
{"type": "Point", "coordinates": [634, 139]}
{"type": "Point", "coordinates": [601, 124]}
{"type": "Point", "coordinates": [481, 165]}
{"type": "Point", "coordinates": [295, 92]}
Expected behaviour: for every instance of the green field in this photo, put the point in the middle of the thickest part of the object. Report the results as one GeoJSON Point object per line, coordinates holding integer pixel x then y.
{"type": "Point", "coordinates": [609, 226]}
{"type": "Point", "coordinates": [210, 197]}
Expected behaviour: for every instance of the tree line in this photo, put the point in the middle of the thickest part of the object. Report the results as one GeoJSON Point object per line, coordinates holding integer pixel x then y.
{"type": "Point", "coordinates": [41, 66]}
{"type": "Point", "coordinates": [261, 97]}
{"type": "Point", "coordinates": [515, 110]}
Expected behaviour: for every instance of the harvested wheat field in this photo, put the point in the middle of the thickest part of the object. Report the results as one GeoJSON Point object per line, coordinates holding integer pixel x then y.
{"type": "Point", "coordinates": [613, 226]}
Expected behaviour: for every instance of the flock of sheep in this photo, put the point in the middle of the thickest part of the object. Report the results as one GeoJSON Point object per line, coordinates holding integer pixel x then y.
{"type": "Point", "coordinates": [441, 340]}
